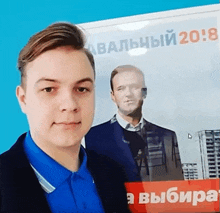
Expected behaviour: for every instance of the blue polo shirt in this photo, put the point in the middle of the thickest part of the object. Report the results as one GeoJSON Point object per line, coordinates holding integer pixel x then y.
{"type": "Point", "coordinates": [65, 191]}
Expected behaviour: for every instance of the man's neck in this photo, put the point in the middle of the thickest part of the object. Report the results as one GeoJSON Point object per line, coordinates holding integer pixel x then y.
{"type": "Point", "coordinates": [134, 120]}
{"type": "Point", "coordinates": [68, 157]}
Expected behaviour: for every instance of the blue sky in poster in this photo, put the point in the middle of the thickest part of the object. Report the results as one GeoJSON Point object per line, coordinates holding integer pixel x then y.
{"type": "Point", "coordinates": [19, 21]}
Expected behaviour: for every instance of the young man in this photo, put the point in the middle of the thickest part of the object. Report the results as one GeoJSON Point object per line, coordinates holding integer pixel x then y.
{"type": "Point", "coordinates": [144, 149]}
{"type": "Point", "coordinates": [47, 170]}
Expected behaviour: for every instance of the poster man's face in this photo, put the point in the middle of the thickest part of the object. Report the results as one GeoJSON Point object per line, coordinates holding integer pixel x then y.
{"type": "Point", "coordinates": [127, 92]}
{"type": "Point", "coordinates": [59, 97]}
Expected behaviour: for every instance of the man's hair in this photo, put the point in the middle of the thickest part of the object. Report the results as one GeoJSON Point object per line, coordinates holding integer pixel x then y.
{"type": "Point", "coordinates": [56, 35]}
{"type": "Point", "coordinates": [123, 68]}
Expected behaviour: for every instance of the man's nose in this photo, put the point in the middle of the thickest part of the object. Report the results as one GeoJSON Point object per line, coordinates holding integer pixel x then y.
{"type": "Point", "coordinates": [128, 91]}
{"type": "Point", "coordinates": [69, 103]}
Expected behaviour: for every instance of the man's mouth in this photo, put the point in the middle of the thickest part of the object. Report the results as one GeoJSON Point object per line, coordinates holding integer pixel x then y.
{"type": "Point", "coordinates": [68, 124]}
{"type": "Point", "coordinates": [129, 101]}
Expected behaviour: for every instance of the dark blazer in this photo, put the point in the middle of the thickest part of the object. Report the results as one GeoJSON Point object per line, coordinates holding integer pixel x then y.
{"type": "Point", "coordinates": [109, 139]}
{"type": "Point", "coordinates": [21, 192]}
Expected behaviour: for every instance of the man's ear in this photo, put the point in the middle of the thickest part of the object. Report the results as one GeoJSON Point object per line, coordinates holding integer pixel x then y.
{"type": "Point", "coordinates": [112, 96]}
{"type": "Point", "coordinates": [21, 96]}
{"type": "Point", "coordinates": [144, 92]}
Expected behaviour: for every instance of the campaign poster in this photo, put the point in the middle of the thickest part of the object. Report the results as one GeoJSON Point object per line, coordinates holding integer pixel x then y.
{"type": "Point", "coordinates": [179, 54]}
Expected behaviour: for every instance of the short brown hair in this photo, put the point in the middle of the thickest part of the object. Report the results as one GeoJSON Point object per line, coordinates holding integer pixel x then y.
{"type": "Point", "coordinates": [122, 68]}
{"type": "Point", "coordinates": [56, 35]}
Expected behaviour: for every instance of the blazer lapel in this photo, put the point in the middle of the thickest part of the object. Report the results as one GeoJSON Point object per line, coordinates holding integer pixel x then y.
{"type": "Point", "coordinates": [109, 181]}
{"type": "Point", "coordinates": [122, 143]}
{"type": "Point", "coordinates": [126, 156]}
{"type": "Point", "coordinates": [20, 184]}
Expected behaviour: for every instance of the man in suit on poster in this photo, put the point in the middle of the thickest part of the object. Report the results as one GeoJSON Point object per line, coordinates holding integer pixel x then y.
{"type": "Point", "coordinates": [47, 170]}
{"type": "Point", "coordinates": [148, 152]}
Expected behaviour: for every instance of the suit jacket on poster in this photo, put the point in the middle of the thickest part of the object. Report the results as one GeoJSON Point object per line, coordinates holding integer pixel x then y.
{"type": "Point", "coordinates": [21, 192]}
{"type": "Point", "coordinates": [108, 139]}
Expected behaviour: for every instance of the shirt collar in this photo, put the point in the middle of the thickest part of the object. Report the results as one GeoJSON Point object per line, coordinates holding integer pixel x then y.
{"type": "Point", "coordinates": [127, 126]}
{"type": "Point", "coordinates": [50, 173]}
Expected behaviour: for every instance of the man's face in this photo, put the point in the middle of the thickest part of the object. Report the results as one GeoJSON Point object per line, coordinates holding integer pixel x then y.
{"type": "Point", "coordinates": [59, 98]}
{"type": "Point", "coordinates": [127, 92]}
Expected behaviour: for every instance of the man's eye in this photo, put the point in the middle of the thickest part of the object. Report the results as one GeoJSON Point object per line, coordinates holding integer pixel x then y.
{"type": "Point", "coordinates": [120, 88]}
{"type": "Point", "coordinates": [48, 89]}
{"type": "Point", "coordinates": [82, 89]}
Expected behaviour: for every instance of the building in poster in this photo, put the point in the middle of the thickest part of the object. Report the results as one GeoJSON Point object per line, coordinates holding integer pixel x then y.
{"type": "Point", "coordinates": [209, 142]}
{"type": "Point", "coordinates": [190, 171]}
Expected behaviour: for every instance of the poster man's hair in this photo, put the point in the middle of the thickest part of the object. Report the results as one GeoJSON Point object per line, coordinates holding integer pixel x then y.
{"type": "Point", "coordinates": [123, 68]}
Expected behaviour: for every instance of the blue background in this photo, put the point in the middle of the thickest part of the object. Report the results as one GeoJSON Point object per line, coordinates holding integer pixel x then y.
{"type": "Point", "coordinates": [19, 20]}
